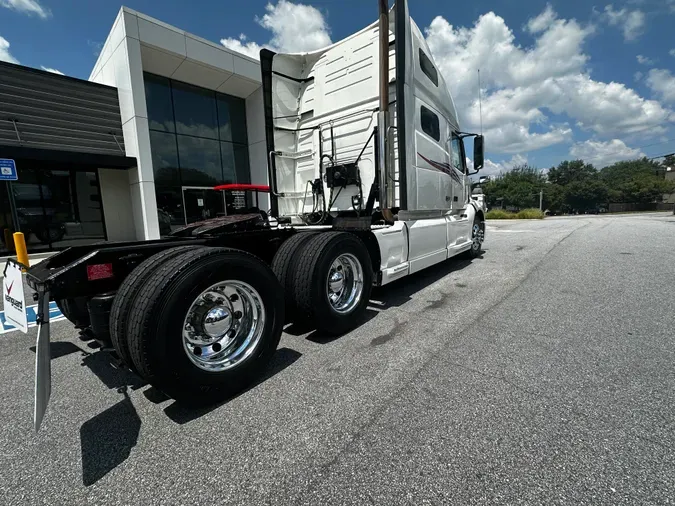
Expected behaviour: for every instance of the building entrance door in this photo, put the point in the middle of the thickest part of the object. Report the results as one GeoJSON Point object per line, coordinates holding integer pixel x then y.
{"type": "Point", "coordinates": [202, 203]}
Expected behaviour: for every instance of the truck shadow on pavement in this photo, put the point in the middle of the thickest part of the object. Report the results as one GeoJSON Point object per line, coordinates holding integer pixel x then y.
{"type": "Point", "coordinates": [181, 413]}
{"type": "Point", "coordinates": [103, 366]}
{"type": "Point", "coordinates": [107, 439]}
{"type": "Point", "coordinates": [401, 291]}
{"type": "Point", "coordinates": [60, 349]}
{"type": "Point", "coordinates": [395, 294]}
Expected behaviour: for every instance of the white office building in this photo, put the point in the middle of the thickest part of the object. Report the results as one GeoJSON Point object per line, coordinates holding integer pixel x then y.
{"type": "Point", "coordinates": [192, 117]}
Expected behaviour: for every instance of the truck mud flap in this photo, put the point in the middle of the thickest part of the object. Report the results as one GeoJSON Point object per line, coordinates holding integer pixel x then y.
{"type": "Point", "coordinates": [43, 365]}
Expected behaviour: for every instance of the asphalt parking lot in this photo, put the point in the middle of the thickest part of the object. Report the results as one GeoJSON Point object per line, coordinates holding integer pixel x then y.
{"type": "Point", "coordinates": [540, 373]}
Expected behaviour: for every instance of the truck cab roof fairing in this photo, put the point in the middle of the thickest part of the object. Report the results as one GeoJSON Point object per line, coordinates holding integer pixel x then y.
{"type": "Point", "coordinates": [307, 94]}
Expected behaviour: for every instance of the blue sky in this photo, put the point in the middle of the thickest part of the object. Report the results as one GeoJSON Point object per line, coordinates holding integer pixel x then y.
{"type": "Point", "coordinates": [560, 79]}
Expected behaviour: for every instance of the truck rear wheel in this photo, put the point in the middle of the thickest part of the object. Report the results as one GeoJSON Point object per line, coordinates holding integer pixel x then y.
{"type": "Point", "coordinates": [126, 299]}
{"type": "Point", "coordinates": [332, 280]}
{"type": "Point", "coordinates": [206, 324]}
{"type": "Point", "coordinates": [282, 265]}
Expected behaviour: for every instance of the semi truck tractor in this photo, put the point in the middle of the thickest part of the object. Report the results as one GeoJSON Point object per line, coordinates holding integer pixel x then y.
{"type": "Point", "coordinates": [368, 184]}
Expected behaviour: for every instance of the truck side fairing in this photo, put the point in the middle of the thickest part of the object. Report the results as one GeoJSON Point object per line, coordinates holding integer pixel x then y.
{"type": "Point", "coordinates": [321, 109]}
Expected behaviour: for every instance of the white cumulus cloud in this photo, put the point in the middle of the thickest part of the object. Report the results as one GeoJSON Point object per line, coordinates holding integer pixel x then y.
{"type": "Point", "coordinates": [5, 55]}
{"type": "Point", "coordinates": [53, 71]}
{"type": "Point", "coordinates": [644, 60]}
{"type": "Point", "coordinates": [672, 52]}
{"type": "Point", "coordinates": [27, 7]}
{"type": "Point", "coordinates": [601, 153]}
{"type": "Point", "coordinates": [522, 85]}
{"type": "Point", "coordinates": [241, 45]}
{"type": "Point", "coordinates": [632, 23]}
{"type": "Point", "coordinates": [542, 21]}
{"type": "Point", "coordinates": [662, 82]}
{"type": "Point", "coordinates": [491, 168]}
{"type": "Point", "coordinates": [295, 27]}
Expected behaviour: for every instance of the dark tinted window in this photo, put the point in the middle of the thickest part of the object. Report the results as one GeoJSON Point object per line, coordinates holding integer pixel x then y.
{"type": "Point", "coordinates": [195, 110]}
{"type": "Point", "coordinates": [199, 161]}
{"type": "Point", "coordinates": [235, 163]}
{"type": "Point", "coordinates": [169, 208]}
{"type": "Point", "coordinates": [164, 158]}
{"type": "Point", "coordinates": [428, 68]}
{"type": "Point", "coordinates": [241, 164]}
{"type": "Point", "coordinates": [232, 119]}
{"type": "Point", "coordinates": [158, 100]}
{"type": "Point", "coordinates": [229, 167]}
{"type": "Point", "coordinates": [430, 123]}
{"type": "Point", "coordinates": [56, 208]}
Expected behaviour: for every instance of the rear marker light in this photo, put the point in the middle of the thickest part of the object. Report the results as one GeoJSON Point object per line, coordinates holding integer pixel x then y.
{"type": "Point", "coordinates": [99, 271]}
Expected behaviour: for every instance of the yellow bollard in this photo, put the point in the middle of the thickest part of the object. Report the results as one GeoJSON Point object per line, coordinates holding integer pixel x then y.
{"type": "Point", "coordinates": [20, 248]}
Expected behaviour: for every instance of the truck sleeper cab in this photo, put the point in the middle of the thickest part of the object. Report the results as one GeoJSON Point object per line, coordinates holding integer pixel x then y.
{"type": "Point", "coordinates": [321, 115]}
{"type": "Point", "coordinates": [365, 186]}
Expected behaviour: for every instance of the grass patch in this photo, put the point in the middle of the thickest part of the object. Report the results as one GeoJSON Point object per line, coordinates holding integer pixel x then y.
{"type": "Point", "coordinates": [525, 214]}
{"type": "Point", "coordinates": [530, 214]}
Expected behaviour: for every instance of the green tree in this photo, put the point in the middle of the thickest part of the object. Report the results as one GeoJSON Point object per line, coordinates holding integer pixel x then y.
{"type": "Point", "coordinates": [568, 171]}
{"type": "Point", "coordinates": [586, 195]}
{"type": "Point", "coordinates": [640, 181]}
{"type": "Point", "coordinates": [554, 197]}
{"type": "Point", "coordinates": [517, 188]}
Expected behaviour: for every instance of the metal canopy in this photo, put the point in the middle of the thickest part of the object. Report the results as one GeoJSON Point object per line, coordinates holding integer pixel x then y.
{"type": "Point", "coordinates": [42, 110]}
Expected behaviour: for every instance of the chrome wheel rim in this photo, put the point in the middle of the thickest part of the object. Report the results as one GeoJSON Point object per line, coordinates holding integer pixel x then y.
{"type": "Point", "coordinates": [223, 326]}
{"type": "Point", "coordinates": [344, 284]}
{"type": "Point", "coordinates": [476, 236]}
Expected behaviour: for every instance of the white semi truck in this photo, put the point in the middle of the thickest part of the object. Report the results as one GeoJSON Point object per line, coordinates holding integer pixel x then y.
{"type": "Point", "coordinates": [368, 184]}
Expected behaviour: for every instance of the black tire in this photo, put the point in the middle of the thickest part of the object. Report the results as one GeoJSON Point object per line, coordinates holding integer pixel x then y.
{"type": "Point", "coordinates": [476, 246]}
{"type": "Point", "coordinates": [156, 323]}
{"type": "Point", "coordinates": [126, 298]}
{"type": "Point", "coordinates": [75, 310]}
{"type": "Point", "coordinates": [310, 274]}
{"type": "Point", "coordinates": [282, 265]}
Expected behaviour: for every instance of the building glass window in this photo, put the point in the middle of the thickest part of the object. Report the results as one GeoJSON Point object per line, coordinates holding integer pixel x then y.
{"type": "Point", "coordinates": [55, 208]}
{"type": "Point", "coordinates": [169, 208]}
{"type": "Point", "coordinates": [198, 139]}
{"type": "Point", "coordinates": [159, 103]}
{"type": "Point", "coordinates": [241, 164]}
{"type": "Point", "coordinates": [229, 166]}
{"type": "Point", "coordinates": [164, 159]}
{"type": "Point", "coordinates": [200, 162]}
{"type": "Point", "coordinates": [195, 110]}
{"type": "Point", "coordinates": [6, 225]}
{"type": "Point", "coordinates": [232, 119]}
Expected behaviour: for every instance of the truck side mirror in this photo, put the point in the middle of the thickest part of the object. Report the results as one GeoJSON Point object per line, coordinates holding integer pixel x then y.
{"type": "Point", "coordinates": [478, 153]}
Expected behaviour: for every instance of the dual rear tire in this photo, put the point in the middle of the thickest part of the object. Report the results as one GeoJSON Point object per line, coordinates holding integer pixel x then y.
{"type": "Point", "coordinates": [327, 278]}
{"type": "Point", "coordinates": [202, 323]}
{"type": "Point", "coordinates": [199, 324]}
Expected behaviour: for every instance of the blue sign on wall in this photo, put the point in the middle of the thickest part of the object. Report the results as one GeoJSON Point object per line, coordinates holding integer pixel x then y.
{"type": "Point", "coordinates": [8, 170]}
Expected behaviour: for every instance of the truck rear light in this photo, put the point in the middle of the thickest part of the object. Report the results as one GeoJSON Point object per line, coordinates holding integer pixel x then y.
{"type": "Point", "coordinates": [99, 271]}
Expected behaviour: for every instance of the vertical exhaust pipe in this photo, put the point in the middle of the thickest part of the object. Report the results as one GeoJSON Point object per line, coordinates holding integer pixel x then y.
{"type": "Point", "coordinates": [385, 162]}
